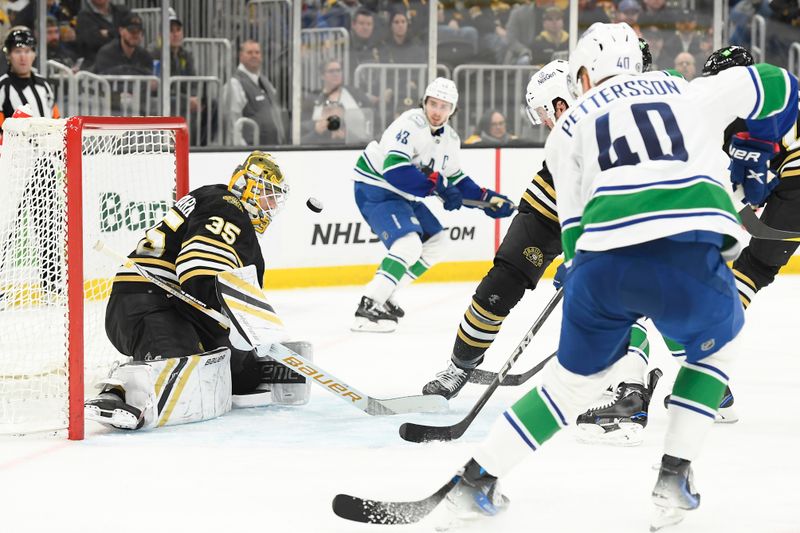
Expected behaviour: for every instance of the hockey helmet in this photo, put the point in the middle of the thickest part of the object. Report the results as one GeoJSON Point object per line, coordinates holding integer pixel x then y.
{"type": "Point", "coordinates": [18, 37]}
{"type": "Point", "coordinates": [604, 50]}
{"type": "Point", "coordinates": [260, 185]}
{"type": "Point", "coordinates": [727, 57]}
{"type": "Point", "coordinates": [544, 89]}
{"type": "Point", "coordinates": [443, 89]}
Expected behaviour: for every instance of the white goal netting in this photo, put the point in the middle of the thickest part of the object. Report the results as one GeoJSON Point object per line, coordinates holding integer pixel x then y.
{"type": "Point", "coordinates": [128, 182]}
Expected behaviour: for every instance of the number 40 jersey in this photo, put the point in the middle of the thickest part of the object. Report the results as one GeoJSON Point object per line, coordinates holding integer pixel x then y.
{"type": "Point", "coordinates": [638, 157]}
{"type": "Point", "coordinates": [204, 233]}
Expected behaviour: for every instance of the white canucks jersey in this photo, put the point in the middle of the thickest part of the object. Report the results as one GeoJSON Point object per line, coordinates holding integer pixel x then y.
{"type": "Point", "coordinates": [409, 141]}
{"type": "Point", "coordinates": [637, 158]}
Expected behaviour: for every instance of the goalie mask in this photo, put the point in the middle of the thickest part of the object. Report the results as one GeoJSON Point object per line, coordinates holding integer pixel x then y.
{"type": "Point", "coordinates": [260, 185]}
{"type": "Point", "coordinates": [545, 88]}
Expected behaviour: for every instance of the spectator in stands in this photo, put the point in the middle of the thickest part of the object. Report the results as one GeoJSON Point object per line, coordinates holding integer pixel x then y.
{"type": "Point", "coordinates": [181, 61]}
{"type": "Point", "coordinates": [589, 12]}
{"type": "Point", "coordinates": [125, 55]}
{"type": "Point", "coordinates": [363, 46]}
{"type": "Point", "coordinates": [400, 47]}
{"type": "Point", "coordinates": [97, 24]}
{"type": "Point", "coordinates": [628, 11]}
{"type": "Point", "coordinates": [553, 38]}
{"type": "Point", "coordinates": [22, 13]}
{"type": "Point", "coordinates": [685, 64]}
{"type": "Point", "coordinates": [338, 14]}
{"type": "Point", "coordinates": [403, 105]}
{"type": "Point", "coordinates": [56, 50]}
{"type": "Point", "coordinates": [657, 13]}
{"type": "Point", "coordinates": [491, 130]}
{"type": "Point", "coordinates": [490, 21]}
{"type": "Point", "coordinates": [20, 86]}
{"type": "Point", "coordinates": [521, 28]}
{"type": "Point", "coordinates": [457, 44]}
{"type": "Point", "coordinates": [249, 94]}
{"type": "Point", "coordinates": [686, 37]}
{"type": "Point", "coordinates": [341, 101]}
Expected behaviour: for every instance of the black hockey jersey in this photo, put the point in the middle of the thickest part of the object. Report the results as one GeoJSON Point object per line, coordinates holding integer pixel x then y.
{"type": "Point", "coordinates": [540, 197]}
{"type": "Point", "coordinates": [204, 233]}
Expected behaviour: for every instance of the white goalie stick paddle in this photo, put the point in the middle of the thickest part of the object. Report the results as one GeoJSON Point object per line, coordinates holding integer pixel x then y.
{"type": "Point", "coordinates": [248, 311]}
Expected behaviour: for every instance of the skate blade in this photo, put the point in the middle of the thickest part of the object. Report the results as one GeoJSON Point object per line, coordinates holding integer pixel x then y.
{"type": "Point", "coordinates": [726, 415]}
{"type": "Point", "coordinates": [665, 517]}
{"type": "Point", "coordinates": [628, 434]}
{"type": "Point", "coordinates": [118, 418]}
{"type": "Point", "coordinates": [364, 325]}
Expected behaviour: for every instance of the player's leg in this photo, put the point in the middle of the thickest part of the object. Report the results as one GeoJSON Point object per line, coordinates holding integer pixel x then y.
{"type": "Point", "coordinates": [164, 392]}
{"type": "Point", "coordinates": [621, 415]}
{"type": "Point", "coordinates": [528, 248]}
{"type": "Point", "coordinates": [434, 246]}
{"type": "Point", "coordinates": [392, 219]}
{"type": "Point", "coordinates": [594, 335]}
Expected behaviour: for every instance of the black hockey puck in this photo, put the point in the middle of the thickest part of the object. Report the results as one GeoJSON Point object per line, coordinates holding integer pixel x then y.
{"type": "Point", "coordinates": [314, 204]}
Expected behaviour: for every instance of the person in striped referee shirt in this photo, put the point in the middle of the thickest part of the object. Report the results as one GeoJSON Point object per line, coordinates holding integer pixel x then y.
{"type": "Point", "coordinates": [21, 85]}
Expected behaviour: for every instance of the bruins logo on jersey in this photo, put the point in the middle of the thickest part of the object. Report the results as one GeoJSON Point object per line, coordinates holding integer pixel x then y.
{"type": "Point", "coordinates": [534, 255]}
{"type": "Point", "coordinates": [234, 201]}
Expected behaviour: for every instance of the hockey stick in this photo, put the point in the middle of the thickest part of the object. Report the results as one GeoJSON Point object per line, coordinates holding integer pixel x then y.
{"type": "Point", "coordinates": [290, 359]}
{"type": "Point", "coordinates": [389, 513]}
{"type": "Point", "coordinates": [421, 433]}
{"type": "Point", "coordinates": [759, 230]}
{"type": "Point", "coordinates": [494, 203]}
{"type": "Point", "coordinates": [250, 315]}
{"type": "Point", "coordinates": [485, 377]}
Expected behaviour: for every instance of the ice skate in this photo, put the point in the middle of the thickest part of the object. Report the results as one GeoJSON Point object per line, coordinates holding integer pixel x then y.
{"type": "Point", "coordinates": [448, 382]}
{"type": "Point", "coordinates": [393, 309]}
{"type": "Point", "coordinates": [621, 418]}
{"type": "Point", "coordinates": [109, 408]}
{"type": "Point", "coordinates": [726, 414]}
{"type": "Point", "coordinates": [373, 317]}
{"type": "Point", "coordinates": [674, 493]}
{"type": "Point", "coordinates": [475, 497]}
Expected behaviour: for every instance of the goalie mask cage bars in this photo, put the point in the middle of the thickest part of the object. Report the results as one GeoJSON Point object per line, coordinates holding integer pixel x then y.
{"type": "Point", "coordinates": [67, 184]}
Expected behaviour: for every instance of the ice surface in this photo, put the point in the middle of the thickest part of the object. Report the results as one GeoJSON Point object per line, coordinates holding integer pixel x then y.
{"type": "Point", "coordinates": [277, 469]}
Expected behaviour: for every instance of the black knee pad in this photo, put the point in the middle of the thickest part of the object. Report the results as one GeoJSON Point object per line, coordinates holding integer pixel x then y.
{"type": "Point", "coordinates": [501, 289]}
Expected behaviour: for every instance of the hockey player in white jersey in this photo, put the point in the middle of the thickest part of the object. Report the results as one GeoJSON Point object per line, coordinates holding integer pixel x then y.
{"type": "Point", "coordinates": [647, 225]}
{"type": "Point", "coordinates": [417, 156]}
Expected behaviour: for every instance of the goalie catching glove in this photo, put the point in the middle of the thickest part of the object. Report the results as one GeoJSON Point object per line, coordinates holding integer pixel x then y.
{"type": "Point", "coordinates": [749, 167]}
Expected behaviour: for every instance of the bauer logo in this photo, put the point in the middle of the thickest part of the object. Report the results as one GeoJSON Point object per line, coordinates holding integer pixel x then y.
{"type": "Point", "coordinates": [133, 216]}
{"type": "Point", "coordinates": [323, 379]}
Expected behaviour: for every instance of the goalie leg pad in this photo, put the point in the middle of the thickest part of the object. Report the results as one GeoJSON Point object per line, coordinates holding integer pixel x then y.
{"type": "Point", "coordinates": [177, 390]}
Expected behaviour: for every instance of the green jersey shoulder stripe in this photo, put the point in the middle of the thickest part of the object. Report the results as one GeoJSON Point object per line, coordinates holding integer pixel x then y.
{"type": "Point", "coordinates": [773, 85]}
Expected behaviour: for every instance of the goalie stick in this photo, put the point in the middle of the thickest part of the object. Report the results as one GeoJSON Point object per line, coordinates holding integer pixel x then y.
{"type": "Point", "coordinates": [422, 433]}
{"type": "Point", "coordinates": [389, 513]}
{"type": "Point", "coordinates": [485, 377]}
{"type": "Point", "coordinates": [287, 357]}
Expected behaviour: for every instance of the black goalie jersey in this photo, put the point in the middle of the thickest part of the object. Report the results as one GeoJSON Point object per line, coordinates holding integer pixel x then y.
{"type": "Point", "coordinates": [205, 232]}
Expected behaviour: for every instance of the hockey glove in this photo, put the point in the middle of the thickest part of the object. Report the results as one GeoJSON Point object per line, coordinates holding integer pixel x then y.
{"type": "Point", "coordinates": [749, 167]}
{"type": "Point", "coordinates": [450, 195]}
{"type": "Point", "coordinates": [560, 276]}
{"type": "Point", "coordinates": [501, 207]}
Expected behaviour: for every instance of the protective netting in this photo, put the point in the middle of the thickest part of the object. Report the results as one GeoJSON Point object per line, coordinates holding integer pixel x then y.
{"type": "Point", "coordinates": [128, 182]}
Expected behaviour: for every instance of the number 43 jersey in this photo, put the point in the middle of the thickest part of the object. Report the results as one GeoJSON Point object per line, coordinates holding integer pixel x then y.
{"type": "Point", "coordinates": [638, 157]}
{"type": "Point", "coordinates": [204, 233]}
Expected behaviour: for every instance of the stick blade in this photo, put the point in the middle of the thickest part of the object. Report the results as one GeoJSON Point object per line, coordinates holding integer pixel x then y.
{"type": "Point", "coordinates": [389, 513]}
{"type": "Point", "coordinates": [412, 432]}
{"type": "Point", "coordinates": [409, 404]}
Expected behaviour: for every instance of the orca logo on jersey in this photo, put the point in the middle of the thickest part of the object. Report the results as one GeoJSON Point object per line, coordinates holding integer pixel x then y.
{"type": "Point", "coordinates": [706, 346]}
{"type": "Point", "coordinates": [329, 382]}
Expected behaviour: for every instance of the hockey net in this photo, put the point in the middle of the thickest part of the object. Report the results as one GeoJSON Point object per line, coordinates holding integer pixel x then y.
{"type": "Point", "coordinates": [66, 185]}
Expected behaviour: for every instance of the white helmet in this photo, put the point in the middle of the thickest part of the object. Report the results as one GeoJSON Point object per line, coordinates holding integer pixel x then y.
{"type": "Point", "coordinates": [443, 89]}
{"type": "Point", "coordinates": [547, 85]}
{"type": "Point", "coordinates": [605, 50]}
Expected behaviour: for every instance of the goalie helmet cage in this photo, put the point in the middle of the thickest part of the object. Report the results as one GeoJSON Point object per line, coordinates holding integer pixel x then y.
{"type": "Point", "coordinates": [66, 184]}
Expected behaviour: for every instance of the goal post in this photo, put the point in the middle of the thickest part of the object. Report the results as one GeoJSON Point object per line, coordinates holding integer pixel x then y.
{"type": "Point", "coordinates": [66, 184]}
